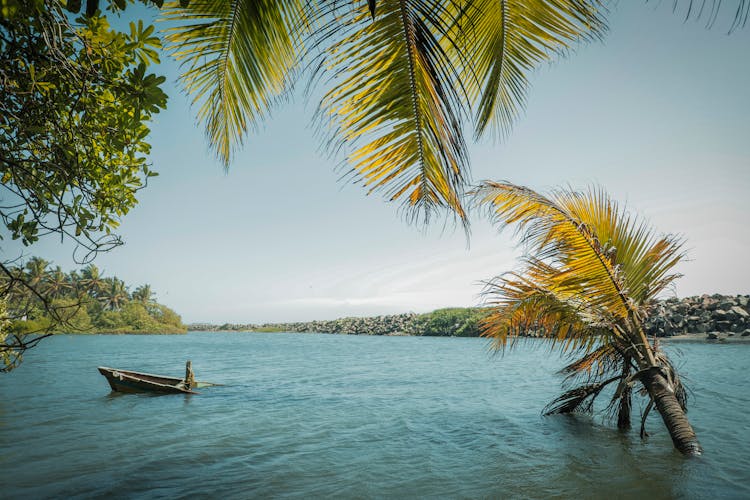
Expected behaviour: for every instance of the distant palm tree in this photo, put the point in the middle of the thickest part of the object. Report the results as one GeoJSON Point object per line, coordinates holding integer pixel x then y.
{"type": "Point", "coordinates": [590, 272]}
{"type": "Point", "coordinates": [57, 283]}
{"type": "Point", "coordinates": [36, 271]}
{"type": "Point", "coordinates": [143, 294]}
{"type": "Point", "coordinates": [113, 294]}
{"type": "Point", "coordinates": [92, 280]}
{"type": "Point", "coordinates": [402, 78]}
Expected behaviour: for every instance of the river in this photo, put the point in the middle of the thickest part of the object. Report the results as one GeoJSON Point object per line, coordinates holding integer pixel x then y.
{"type": "Point", "coordinates": [315, 415]}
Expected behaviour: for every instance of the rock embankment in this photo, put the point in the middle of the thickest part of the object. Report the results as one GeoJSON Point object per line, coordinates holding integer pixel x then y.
{"type": "Point", "coordinates": [404, 324]}
{"type": "Point", "coordinates": [706, 316]}
{"type": "Point", "coordinates": [715, 316]}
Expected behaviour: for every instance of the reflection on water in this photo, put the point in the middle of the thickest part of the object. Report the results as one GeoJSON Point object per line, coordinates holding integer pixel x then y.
{"type": "Point", "coordinates": [323, 415]}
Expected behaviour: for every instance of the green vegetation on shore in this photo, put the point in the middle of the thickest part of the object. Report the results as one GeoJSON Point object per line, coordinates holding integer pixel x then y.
{"type": "Point", "coordinates": [82, 301]}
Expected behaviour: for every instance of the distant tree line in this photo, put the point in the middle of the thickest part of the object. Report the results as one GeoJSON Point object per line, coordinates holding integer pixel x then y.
{"type": "Point", "coordinates": [41, 299]}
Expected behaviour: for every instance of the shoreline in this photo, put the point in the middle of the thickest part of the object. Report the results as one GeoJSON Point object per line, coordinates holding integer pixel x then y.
{"type": "Point", "coordinates": [703, 338]}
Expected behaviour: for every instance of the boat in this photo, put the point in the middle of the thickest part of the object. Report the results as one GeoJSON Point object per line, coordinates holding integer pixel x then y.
{"type": "Point", "coordinates": [131, 381]}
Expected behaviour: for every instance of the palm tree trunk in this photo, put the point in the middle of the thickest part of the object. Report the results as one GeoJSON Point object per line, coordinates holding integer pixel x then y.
{"type": "Point", "coordinates": [623, 413]}
{"type": "Point", "coordinates": [674, 417]}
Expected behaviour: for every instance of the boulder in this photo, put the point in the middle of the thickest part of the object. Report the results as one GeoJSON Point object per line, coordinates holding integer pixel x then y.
{"type": "Point", "coordinates": [722, 314]}
{"type": "Point", "coordinates": [713, 336]}
{"type": "Point", "coordinates": [723, 326]}
{"type": "Point", "coordinates": [746, 333]}
{"type": "Point", "coordinates": [727, 303]}
{"type": "Point", "coordinates": [740, 312]}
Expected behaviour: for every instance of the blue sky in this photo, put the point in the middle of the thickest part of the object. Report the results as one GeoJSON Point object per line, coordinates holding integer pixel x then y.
{"type": "Point", "coordinates": [657, 114]}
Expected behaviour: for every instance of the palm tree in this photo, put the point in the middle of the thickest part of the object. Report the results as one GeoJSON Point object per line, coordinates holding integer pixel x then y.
{"type": "Point", "coordinates": [92, 280]}
{"type": "Point", "coordinates": [589, 274]}
{"type": "Point", "coordinates": [36, 271]}
{"type": "Point", "coordinates": [57, 283]}
{"type": "Point", "coordinates": [143, 294]}
{"type": "Point", "coordinates": [402, 78]}
{"type": "Point", "coordinates": [113, 294]}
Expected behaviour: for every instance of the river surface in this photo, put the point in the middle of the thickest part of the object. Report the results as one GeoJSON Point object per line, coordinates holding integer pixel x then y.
{"type": "Point", "coordinates": [314, 415]}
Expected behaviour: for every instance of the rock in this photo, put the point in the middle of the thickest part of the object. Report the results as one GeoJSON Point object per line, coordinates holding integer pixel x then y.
{"type": "Point", "coordinates": [681, 308]}
{"type": "Point", "coordinates": [740, 312]}
{"type": "Point", "coordinates": [746, 333]}
{"type": "Point", "coordinates": [743, 301]}
{"type": "Point", "coordinates": [726, 304]}
{"type": "Point", "coordinates": [723, 326]}
{"type": "Point", "coordinates": [712, 336]}
{"type": "Point", "coordinates": [721, 314]}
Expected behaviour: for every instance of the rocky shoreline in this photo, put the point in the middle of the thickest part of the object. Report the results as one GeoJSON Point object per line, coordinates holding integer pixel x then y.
{"type": "Point", "coordinates": [708, 317]}
{"type": "Point", "coordinates": [718, 318]}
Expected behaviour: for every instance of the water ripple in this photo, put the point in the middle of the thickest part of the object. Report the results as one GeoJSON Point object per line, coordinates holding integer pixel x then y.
{"type": "Point", "coordinates": [307, 416]}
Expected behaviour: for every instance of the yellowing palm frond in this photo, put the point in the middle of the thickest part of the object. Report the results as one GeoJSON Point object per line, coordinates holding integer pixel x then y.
{"type": "Point", "coordinates": [394, 102]}
{"type": "Point", "coordinates": [524, 305]}
{"type": "Point", "coordinates": [238, 55]}
{"type": "Point", "coordinates": [584, 250]}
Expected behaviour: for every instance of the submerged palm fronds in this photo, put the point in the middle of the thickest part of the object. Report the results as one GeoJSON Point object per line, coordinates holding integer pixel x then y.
{"type": "Point", "coordinates": [590, 271]}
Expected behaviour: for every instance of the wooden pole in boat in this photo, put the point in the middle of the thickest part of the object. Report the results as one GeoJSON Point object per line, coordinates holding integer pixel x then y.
{"type": "Point", "coordinates": [189, 375]}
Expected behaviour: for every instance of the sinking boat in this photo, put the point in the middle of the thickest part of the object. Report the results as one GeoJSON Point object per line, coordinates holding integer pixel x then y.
{"type": "Point", "coordinates": [131, 381]}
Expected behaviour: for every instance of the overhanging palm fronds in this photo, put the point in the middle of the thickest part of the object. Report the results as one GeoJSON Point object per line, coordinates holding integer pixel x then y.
{"type": "Point", "coordinates": [590, 272]}
{"type": "Point", "coordinates": [504, 40]}
{"type": "Point", "coordinates": [395, 102]}
{"type": "Point", "coordinates": [238, 56]}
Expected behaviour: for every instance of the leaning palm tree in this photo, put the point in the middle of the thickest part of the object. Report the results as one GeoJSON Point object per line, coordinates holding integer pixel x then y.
{"type": "Point", "coordinates": [401, 79]}
{"type": "Point", "coordinates": [589, 274]}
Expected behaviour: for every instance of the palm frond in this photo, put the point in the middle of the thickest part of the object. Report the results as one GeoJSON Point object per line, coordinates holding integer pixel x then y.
{"type": "Point", "coordinates": [504, 40]}
{"type": "Point", "coordinates": [553, 230]}
{"type": "Point", "coordinates": [585, 253]}
{"type": "Point", "coordinates": [394, 102]}
{"type": "Point", "coordinates": [710, 10]}
{"type": "Point", "coordinates": [523, 305]}
{"type": "Point", "coordinates": [238, 56]}
{"type": "Point", "coordinates": [579, 400]}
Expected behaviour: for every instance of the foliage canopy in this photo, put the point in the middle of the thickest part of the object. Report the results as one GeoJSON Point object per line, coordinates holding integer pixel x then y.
{"type": "Point", "coordinates": [75, 106]}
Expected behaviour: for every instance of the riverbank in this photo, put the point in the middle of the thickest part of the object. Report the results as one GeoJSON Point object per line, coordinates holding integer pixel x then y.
{"type": "Point", "coordinates": [716, 318]}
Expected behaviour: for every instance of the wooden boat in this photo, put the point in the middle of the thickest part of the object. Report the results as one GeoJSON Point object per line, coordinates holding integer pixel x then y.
{"type": "Point", "coordinates": [130, 381]}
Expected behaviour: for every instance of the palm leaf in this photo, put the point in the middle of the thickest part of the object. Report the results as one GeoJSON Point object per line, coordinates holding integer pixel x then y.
{"type": "Point", "coordinates": [710, 10]}
{"type": "Point", "coordinates": [585, 252]}
{"type": "Point", "coordinates": [578, 400]}
{"type": "Point", "coordinates": [394, 102]}
{"type": "Point", "coordinates": [238, 56]}
{"type": "Point", "coordinates": [504, 40]}
{"type": "Point", "coordinates": [525, 305]}
{"type": "Point", "coordinates": [552, 230]}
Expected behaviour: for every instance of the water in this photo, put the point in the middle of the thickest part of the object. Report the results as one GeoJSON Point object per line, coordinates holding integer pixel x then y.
{"type": "Point", "coordinates": [306, 415]}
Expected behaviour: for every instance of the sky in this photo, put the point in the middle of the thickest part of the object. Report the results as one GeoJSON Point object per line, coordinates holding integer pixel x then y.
{"type": "Point", "coordinates": [657, 113]}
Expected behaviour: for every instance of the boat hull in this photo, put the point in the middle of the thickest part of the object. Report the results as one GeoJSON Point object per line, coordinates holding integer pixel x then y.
{"type": "Point", "coordinates": [132, 382]}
